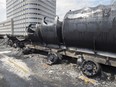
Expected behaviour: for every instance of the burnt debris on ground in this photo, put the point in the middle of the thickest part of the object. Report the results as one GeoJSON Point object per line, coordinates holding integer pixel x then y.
{"type": "Point", "coordinates": [32, 71]}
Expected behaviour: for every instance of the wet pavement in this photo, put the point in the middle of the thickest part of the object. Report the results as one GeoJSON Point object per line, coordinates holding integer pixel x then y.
{"type": "Point", "coordinates": [18, 70]}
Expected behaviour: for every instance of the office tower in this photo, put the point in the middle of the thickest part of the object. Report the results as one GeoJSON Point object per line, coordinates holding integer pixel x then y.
{"type": "Point", "coordinates": [25, 12]}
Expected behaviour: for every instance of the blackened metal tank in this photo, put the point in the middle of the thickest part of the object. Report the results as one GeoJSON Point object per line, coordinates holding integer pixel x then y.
{"type": "Point", "coordinates": [50, 33]}
{"type": "Point", "coordinates": [33, 34]}
{"type": "Point", "coordinates": [91, 28]}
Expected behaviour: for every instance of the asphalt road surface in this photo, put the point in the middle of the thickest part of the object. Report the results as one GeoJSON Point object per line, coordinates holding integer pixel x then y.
{"type": "Point", "coordinates": [18, 70]}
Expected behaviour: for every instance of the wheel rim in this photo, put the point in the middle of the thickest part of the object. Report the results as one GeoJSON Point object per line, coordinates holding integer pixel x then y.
{"type": "Point", "coordinates": [89, 68]}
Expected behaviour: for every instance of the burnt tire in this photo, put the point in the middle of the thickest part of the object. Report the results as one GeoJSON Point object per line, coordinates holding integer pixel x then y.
{"type": "Point", "coordinates": [52, 59]}
{"type": "Point", "coordinates": [10, 43]}
{"type": "Point", "coordinates": [90, 68]}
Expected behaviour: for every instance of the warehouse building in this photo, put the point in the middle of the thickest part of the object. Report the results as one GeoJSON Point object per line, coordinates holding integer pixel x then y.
{"type": "Point", "coordinates": [25, 12]}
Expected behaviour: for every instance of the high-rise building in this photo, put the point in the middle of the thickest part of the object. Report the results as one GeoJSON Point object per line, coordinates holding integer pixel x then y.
{"type": "Point", "coordinates": [25, 12]}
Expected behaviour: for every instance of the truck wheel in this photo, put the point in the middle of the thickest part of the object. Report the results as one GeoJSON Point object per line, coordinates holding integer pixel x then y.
{"type": "Point", "coordinates": [90, 68]}
{"type": "Point", "coordinates": [10, 43]}
{"type": "Point", "coordinates": [52, 59]}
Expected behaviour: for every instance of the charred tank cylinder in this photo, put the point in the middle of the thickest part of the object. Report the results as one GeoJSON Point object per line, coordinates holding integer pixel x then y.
{"type": "Point", "coordinates": [47, 33]}
{"type": "Point", "coordinates": [92, 28]}
{"type": "Point", "coordinates": [89, 28]}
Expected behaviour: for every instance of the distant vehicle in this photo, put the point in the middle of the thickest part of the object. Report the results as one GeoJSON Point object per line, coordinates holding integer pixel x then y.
{"type": "Point", "coordinates": [89, 33]}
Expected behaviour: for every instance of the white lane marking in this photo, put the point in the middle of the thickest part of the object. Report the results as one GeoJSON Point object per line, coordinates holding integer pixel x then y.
{"type": "Point", "coordinates": [16, 66]}
{"type": "Point", "coordinates": [5, 52]}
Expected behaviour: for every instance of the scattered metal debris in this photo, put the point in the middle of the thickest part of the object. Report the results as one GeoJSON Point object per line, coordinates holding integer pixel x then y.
{"type": "Point", "coordinates": [34, 72]}
{"type": "Point", "coordinates": [88, 80]}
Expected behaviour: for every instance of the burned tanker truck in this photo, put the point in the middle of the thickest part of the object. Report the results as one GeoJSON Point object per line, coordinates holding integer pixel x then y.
{"type": "Point", "coordinates": [88, 34]}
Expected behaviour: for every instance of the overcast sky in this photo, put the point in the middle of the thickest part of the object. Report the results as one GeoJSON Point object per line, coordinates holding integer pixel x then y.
{"type": "Point", "coordinates": [63, 6]}
{"type": "Point", "coordinates": [2, 10]}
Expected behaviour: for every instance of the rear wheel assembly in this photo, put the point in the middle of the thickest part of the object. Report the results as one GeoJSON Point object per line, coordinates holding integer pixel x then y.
{"type": "Point", "coordinates": [10, 43]}
{"type": "Point", "coordinates": [53, 58]}
{"type": "Point", "coordinates": [90, 68]}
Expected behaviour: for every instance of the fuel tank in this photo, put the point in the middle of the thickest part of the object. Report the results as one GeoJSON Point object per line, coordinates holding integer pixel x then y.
{"type": "Point", "coordinates": [92, 28]}
{"type": "Point", "coordinates": [50, 33]}
{"type": "Point", "coordinates": [33, 34]}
